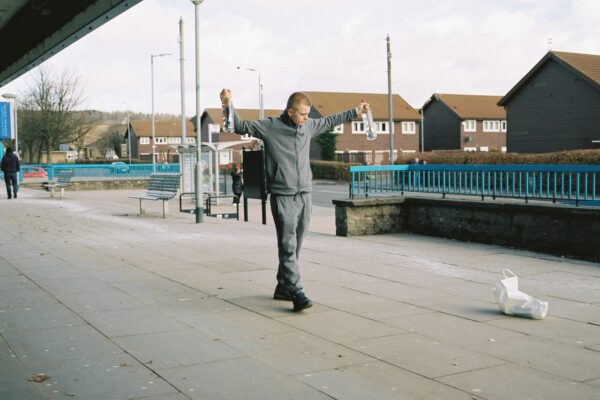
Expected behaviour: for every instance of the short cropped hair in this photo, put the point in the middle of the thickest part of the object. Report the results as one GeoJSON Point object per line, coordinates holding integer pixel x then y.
{"type": "Point", "coordinates": [296, 99]}
{"type": "Point", "coordinates": [9, 150]}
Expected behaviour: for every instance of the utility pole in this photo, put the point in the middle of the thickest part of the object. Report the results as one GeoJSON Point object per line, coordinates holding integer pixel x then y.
{"type": "Point", "coordinates": [182, 79]}
{"type": "Point", "coordinates": [199, 190]}
{"type": "Point", "coordinates": [390, 114]}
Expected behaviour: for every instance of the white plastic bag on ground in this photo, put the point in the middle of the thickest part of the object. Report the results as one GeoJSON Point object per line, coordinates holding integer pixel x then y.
{"type": "Point", "coordinates": [514, 302]}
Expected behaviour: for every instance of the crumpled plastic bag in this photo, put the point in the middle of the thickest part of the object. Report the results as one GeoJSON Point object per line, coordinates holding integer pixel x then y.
{"type": "Point", "coordinates": [514, 302]}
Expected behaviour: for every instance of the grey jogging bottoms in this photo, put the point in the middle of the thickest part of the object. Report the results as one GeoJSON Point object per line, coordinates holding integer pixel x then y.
{"type": "Point", "coordinates": [291, 214]}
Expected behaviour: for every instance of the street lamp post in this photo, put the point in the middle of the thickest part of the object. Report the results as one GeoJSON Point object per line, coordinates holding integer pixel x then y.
{"type": "Point", "coordinates": [261, 111]}
{"type": "Point", "coordinates": [152, 56]}
{"type": "Point", "coordinates": [13, 97]}
{"type": "Point", "coordinates": [198, 181]}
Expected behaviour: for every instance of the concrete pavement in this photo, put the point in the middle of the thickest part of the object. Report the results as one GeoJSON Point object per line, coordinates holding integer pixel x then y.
{"type": "Point", "coordinates": [111, 305]}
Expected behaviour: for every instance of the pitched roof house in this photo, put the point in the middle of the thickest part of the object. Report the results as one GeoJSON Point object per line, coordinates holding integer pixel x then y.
{"type": "Point", "coordinates": [464, 122]}
{"type": "Point", "coordinates": [167, 136]}
{"type": "Point", "coordinates": [556, 105]}
{"type": "Point", "coordinates": [352, 144]}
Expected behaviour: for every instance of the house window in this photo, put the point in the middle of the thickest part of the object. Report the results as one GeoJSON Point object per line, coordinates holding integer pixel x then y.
{"type": "Point", "coordinates": [339, 129]}
{"type": "Point", "coordinates": [503, 149]}
{"type": "Point", "coordinates": [190, 140]}
{"type": "Point", "coordinates": [408, 127]}
{"type": "Point", "coordinates": [160, 140]}
{"type": "Point", "coordinates": [174, 140]}
{"type": "Point", "coordinates": [484, 148]}
{"type": "Point", "coordinates": [491, 126]}
{"type": "Point", "coordinates": [358, 127]}
{"type": "Point", "coordinates": [470, 149]}
{"type": "Point", "coordinates": [383, 127]}
{"type": "Point", "coordinates": [144, 140]}
{"type": "Point", "coordinates": [470, 125]}
{"type": "Point", "coordinates": [502, 126]}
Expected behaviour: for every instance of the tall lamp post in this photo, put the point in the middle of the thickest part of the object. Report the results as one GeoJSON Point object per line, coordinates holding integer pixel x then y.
{"type": "Point", "coordinates": [261, 111]}
{"type": "Point", "coordinates": [198, 181]}
{"type": "Point", "coordinates": [13, 97]}
{"type": "Point", "coordinates": [152, 56]}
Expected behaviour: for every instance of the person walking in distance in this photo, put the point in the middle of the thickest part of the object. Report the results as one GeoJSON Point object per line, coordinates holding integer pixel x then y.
{"type": "Point", "coordinates": [10, 167]}
{"type": "Point", "coordinates": [289, 179]}
{"type": "Point", "coordinates": [237, 185]}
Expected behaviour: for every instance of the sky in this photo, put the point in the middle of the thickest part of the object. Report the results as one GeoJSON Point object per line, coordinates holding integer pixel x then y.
{"type": "Point", "coordinates": [459, 46]}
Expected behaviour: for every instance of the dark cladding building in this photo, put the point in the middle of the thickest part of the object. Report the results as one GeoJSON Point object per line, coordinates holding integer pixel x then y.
{"type": "Point", "coordinates": [556, 106]}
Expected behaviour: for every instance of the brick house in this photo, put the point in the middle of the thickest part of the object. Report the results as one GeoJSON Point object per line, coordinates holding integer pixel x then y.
{"type": "Point", "coordinates": [464, 123]}
{"type": "Point", "coordinates": [556, 105]}
{"type": "Point", "coordinates": [167, 137]}
{"type": "Point", "coordinates": [352, 144]}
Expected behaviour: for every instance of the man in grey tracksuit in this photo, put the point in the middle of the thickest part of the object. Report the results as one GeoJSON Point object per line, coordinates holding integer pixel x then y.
{"type": "Point", "coordinates": [289, 180]}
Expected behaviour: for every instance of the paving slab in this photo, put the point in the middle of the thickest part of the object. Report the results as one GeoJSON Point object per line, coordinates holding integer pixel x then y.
{"type": "Point", "coordinates": [572, 362]}
{"type": "Point", "coordinates": [423, 355]}
{"type": "Point", "coordinates": [177, 348]}
{"type": "Point", "coordinates": [359, 303]}
{"type": "Point", "coordinates": [131, 321]}
{"type": "Point", "coordinates": [58, 344]}
{"type": "Point", "coordinates": [246, 377]}
{"type": "Point", "coordinates": [557, 329]}
{"type": "Point", "coordinates": [115, 377]}
{"type": "Point", "coordinates": [450, 329]}
{"type": "Point", "coordinates": [382, 381]}
{"type": "Point", "coordinates": [575, 311]}
{"type": "Point", "coordinates": [23, 298]}
{"type": "Point", "coordinates": [14, 378]}
{"type": "Point", "coordinates": [307, 352]}
{"type": "Point", "coordinates": [463, 307]}
{"type": "Point", "coordinates": [234, 323]}
{"type": "Point", "coordinates": [52, 315]}
{"type": "Point", "coordinates": [509, 382]}
{"type": "Point", "coordinates": [339, 326]}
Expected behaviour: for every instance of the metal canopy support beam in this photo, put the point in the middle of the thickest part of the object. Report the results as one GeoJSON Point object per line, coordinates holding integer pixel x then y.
{"type": "Point", "coordinates": [34, 34]}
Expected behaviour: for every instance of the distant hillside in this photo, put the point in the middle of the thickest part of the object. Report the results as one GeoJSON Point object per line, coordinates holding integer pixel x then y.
{"type": "Point", "coordinates": [120, 117]}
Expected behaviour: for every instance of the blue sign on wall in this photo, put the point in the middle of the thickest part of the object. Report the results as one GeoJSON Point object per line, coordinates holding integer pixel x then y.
{"type": "Point", "coordinates": [5, 120]}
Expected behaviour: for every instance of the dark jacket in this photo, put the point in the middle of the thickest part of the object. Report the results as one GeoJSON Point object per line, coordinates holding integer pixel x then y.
{"type": "Point", "coordinates": [10, 163]}
{"type": "Point", "coordinates": [287, 148]}
{"type": "Point", "coordinates": [237, 186]}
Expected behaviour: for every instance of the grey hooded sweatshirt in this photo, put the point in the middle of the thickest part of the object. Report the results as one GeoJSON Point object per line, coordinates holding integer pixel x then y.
{"type": "Point", "coordinates": [287, 148]}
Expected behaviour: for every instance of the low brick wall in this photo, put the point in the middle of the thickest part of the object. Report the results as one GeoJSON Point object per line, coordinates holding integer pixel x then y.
{"type": "Point", "coordinates": [109, 184]}
{"type": "Point", "coordinates": [549, 228]}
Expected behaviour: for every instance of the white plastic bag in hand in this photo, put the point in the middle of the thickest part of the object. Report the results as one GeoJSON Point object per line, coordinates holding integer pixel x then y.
{"type": "Point", "coordinates": [514, 302]}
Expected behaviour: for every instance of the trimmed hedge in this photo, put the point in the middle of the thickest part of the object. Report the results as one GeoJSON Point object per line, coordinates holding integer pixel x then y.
{"type": "Point", "coordinates": [339, 170]}
{"type": "Point", "coordinates": [331, 170]}
{"type": "Point", "coordinates": [573, 157]}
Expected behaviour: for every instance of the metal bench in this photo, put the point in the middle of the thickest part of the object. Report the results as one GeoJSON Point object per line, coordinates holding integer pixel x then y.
{"type": "Point", "coordinates": [63, 180]}
{"type": "Point", "coordinates": [160, 187]}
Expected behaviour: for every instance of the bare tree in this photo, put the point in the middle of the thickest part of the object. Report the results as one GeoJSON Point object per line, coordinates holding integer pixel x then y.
{"type": "Point", "coordinates": [48, 108]}
{"type": "Point", "coordinates": [84, 122]}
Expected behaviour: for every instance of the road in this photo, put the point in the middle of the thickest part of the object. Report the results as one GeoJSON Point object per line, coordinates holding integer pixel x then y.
{"type": "Point", "coordinates": [324, 192]}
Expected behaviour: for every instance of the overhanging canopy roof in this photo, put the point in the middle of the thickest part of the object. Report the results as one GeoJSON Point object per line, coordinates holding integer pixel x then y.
{"type": "Point", "coordinates": [32, 31]}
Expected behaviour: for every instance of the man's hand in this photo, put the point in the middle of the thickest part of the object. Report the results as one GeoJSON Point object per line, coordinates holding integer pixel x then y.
{"type": "Point", "coordinates": [362, 108]}
{"type": "Point", "coordinates": [225, 97]}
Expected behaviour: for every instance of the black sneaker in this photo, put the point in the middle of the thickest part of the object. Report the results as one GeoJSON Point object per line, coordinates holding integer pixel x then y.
{"type": "Point", "coordinates": [15, 195]}
{"type": "Point", "coordinates": [301, 302]}
{"type": "Point", "coordinates": [281, 293]}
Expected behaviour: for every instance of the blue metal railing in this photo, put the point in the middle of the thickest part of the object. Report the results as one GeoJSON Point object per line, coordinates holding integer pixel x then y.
{"type": "Point", "coordinates": [100, 171]}
{"type": "Point", "coordinates": [545, 182]}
